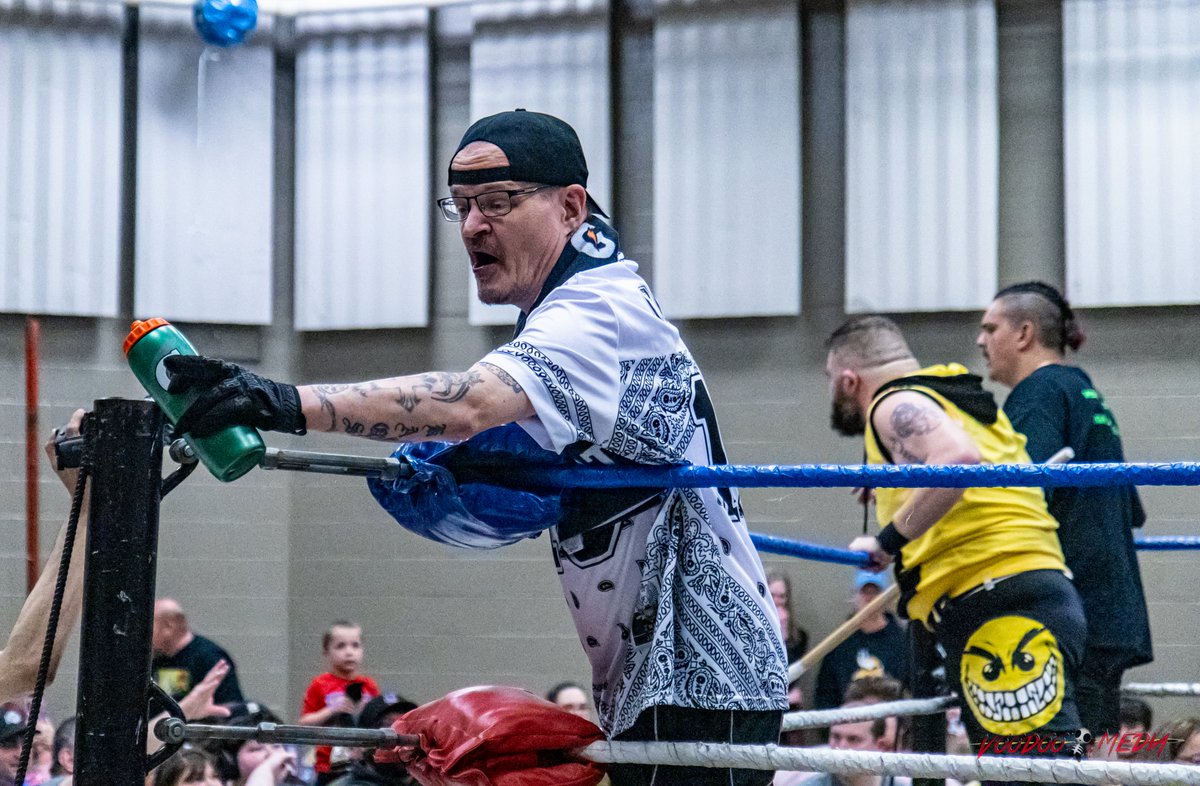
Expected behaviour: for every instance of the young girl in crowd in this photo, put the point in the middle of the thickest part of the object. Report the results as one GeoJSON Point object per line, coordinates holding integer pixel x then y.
{"type": "Point", "coordinates": [250, 762]}
{"type": "Point", "coordinates": [188, 767]}
{"type": "Point", "coordinates": [264, 764]}
{"type": "Point", "coordinates": [336, 697]}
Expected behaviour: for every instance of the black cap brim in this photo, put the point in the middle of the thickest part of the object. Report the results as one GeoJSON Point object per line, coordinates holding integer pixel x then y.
{"type": "Point", "coordinates": [594, 207]}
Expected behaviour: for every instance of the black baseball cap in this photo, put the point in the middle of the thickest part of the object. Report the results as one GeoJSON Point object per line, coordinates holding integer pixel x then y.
{"type": "Point", "coordinates": [378, 707]}
{"type": "Point", "coordinates": [540, 149]}
{"type": "Point", "coordinates": [250, 713]}
{"type": "Point", "coordinates": [12, 722]}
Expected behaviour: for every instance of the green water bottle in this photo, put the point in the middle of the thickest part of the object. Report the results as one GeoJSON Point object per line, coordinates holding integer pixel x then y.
{"type": "Point", "coordinates": [228, 454]}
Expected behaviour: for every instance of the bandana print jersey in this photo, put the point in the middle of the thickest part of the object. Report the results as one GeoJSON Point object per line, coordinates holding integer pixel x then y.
{"type": "Point", "coordinates": [667, 592]}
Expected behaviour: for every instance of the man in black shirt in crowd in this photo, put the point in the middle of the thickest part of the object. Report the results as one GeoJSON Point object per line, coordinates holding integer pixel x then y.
{"type": "Point", "coordinates": [1024, 336]}
{"type": "Point", "coordinates": [877, 649]}
{"type": "Point", "coordinates": [182, 658]}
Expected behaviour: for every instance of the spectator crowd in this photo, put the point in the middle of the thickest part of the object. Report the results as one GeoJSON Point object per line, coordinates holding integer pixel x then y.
{"type": "Point", "coordinates": [867, 668]}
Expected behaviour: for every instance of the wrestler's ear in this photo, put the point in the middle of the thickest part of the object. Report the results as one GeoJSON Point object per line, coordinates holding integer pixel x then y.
{"type": "Point", "coordinates": [849, 381]}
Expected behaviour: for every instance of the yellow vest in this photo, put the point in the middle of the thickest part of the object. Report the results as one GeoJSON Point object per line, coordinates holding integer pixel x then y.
{"type": "Point", "coordinates": [990, 532]}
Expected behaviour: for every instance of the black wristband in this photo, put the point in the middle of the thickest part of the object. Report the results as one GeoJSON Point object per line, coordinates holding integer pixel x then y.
{"type": "Point", "coordinates": [293, 418]}
{"type": "Point", "coordinates": [891, 539]}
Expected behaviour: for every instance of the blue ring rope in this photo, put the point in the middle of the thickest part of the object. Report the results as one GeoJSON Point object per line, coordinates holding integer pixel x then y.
{"type": "Point", "coordinates": [871, 475]}
{"type": "Point", "coordinates": [1167, 542]}
{"type": "Point", "coordinates": [772, 544]}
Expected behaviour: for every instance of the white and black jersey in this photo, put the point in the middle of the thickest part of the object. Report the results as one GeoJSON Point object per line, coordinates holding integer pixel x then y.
{"type": "Point", "coordinates": [666, 590]}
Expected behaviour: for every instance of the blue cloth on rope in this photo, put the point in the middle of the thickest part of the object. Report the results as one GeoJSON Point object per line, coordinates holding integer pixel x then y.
{"type": "Point", "coordinates": [458, 493]}
{"type": "Point", "coordinates": [874, 476]}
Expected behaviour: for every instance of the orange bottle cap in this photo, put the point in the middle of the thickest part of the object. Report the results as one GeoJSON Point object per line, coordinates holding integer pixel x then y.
{"type": "Point", "coordinates": [140, 328]}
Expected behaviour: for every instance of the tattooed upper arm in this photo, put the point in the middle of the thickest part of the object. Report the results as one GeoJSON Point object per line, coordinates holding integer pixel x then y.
{"type": "Point", "coordinates": [910, 422]}
{"type": "Point", "coordinates": [502, 375]}
{"type": "Point", "coordinates": [450, 386]}
{"type": "Point", "coordinates": [913, 420]}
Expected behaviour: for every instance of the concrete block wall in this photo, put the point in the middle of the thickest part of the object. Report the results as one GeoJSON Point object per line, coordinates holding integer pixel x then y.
{"type": "Point", "coordinates": [265, 564]}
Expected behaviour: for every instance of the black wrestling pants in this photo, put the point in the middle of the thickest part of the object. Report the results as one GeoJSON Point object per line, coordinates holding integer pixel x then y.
{"type": "Point", "coordinates": [685, 724]}
{"type": "Point", "coordinates": [1013, 649]}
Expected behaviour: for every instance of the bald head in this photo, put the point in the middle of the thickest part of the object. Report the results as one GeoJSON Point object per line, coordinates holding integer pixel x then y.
{"type": "Point", "coordinates": [868, 342]}
{"type": "Point", "coordinates": [171, 632]}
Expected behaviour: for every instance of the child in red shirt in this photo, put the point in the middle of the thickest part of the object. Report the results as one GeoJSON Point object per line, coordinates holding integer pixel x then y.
{"type": "Point", "coordinates": [336, 697]}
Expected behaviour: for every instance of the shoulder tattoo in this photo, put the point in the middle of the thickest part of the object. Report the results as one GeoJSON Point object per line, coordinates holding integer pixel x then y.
{"type": "Point", "coordinates": [912, 420]}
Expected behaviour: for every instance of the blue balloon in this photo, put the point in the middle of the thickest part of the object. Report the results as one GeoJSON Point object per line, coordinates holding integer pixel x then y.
{"type": "Point", "coordinates": [225, 22]}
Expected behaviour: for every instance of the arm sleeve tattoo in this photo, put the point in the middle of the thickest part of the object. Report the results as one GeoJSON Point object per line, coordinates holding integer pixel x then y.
{"type": "Point", "coordinates": [337, 403]}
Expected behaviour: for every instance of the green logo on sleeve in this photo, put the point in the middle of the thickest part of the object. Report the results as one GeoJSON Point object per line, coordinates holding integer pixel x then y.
{"type": "Point", "coordinates": [1104, 417]}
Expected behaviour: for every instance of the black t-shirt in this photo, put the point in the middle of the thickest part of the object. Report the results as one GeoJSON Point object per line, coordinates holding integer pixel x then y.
{"type": "Point", "coordinates": [1055, 407]}
{"type": "Point", "coordinates": [364, 774]}
{"type": "Point", "coordinates": [882, 653]}
{"type": "Point", "coordinates": [179, 673]}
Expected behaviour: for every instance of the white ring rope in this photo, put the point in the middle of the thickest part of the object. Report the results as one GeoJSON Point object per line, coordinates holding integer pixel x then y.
{"type": "Point", "coordinates": [817, 719]}
{"type": "Point", "coordinates": [1162, 688]}
{"type": "Point", "coordinates": [917, 765]}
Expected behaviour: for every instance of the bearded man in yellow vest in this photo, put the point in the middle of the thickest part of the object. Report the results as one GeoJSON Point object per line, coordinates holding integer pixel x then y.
{"type": "Point", "coordinates": [982, 567]}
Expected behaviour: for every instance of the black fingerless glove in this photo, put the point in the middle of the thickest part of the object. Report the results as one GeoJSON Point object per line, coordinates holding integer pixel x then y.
{"type": "Point", "coordinates": [891, 540]}
{"type": "Point", "coordinates": [231, 396]}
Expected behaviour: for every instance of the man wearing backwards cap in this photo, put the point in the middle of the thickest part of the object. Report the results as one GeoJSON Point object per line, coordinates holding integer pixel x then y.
{"type": "Point", "coordinates": [12, 727]}
{"type": "Point", "coordinates": [667, 593]}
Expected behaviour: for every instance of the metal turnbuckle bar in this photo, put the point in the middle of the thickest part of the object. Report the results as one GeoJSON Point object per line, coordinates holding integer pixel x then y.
{"type": "Point", "coordinates": [388, 468]}
{"type": "Point", "coordinates": [175, 731]}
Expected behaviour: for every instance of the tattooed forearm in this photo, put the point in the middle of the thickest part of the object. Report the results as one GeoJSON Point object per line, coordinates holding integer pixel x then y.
{"type": "Point", "coordinates": [408, 399]}
{"type": "Point", "coordinates": [383, 432]}
{"type": "Point", "coordinates": [323, 393]}
{"type": "Point", "coordinates": [503, 376]}
{"type": "Point", "coordinates": [444, 386]}
{"type": "Point", "coordinates": [420, 406]}
{"type": "Point", "coordinates": [450, 388]}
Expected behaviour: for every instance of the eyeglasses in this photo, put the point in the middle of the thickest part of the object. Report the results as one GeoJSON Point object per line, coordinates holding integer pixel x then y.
{"type": "Point", "coordinates": [492, 204]}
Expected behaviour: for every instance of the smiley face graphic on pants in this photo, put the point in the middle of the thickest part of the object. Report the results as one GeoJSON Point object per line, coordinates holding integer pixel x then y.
{"type": "Point", "coordinates": [1012, 675]}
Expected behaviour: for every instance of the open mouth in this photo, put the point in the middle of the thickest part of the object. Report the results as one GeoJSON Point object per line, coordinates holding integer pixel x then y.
{"type": "Point", "coordinates": [1020, 704]}
{"type": "Point", "coordinates": [481, 259]}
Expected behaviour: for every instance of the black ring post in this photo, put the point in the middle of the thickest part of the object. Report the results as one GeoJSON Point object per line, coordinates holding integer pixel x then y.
{"type": "Point", "coordinates": [118, 595]}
